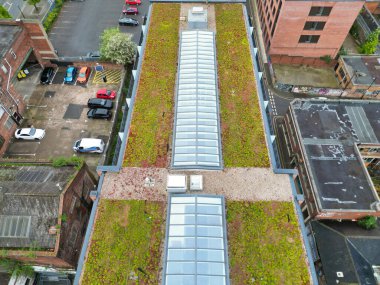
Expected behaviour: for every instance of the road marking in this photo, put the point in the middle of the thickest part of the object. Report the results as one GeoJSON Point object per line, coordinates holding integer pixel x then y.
{"type": "Point", "coordinates": [18, 154]}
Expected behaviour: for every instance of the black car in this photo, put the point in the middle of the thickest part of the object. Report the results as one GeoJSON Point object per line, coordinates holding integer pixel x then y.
{"type": "Point", "coordinates": [47, 75]}
{"type": "Point", "coordinates": [128, 22]}
{"type": "Point", "coordinates": [99, 103]}
{"type": "Point", "coordinates": [99, 113]}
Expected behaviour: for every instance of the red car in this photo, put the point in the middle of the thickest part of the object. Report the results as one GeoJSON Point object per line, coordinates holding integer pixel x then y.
{"type": "Point", "coordinates": [133, 2]}
{"type": "Point", "coordinates": [105, 94]}
{"type": "Point", "coordinates": [130, 10]}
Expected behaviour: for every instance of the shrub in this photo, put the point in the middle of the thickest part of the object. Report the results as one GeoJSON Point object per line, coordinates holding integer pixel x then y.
{"type": "Point", "coordinates": [4, 14]}
{"type": "Point", "coordinates": [53, 15]}
{"type": "Point", "coordinates": [354, 31]}
{"type": "Point", "coordinates": [16, 267]}
{"type": "Point", "coordinates": [370, 44]}
{"type": "Point", "coordinates": [65, 161]}
{"type": "Point", "coordinates": [368, 223]}
{"type": "Point", "coordinates": [326, 58]}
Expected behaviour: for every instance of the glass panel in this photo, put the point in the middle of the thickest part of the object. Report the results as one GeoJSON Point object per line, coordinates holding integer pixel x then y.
{"type": "Point", "coordinates": [208, 220]}
{"type": "Point", "coordinates": [210, 280]}
{"type": "Point", "coordinates": [205, 231]}
{"type": "Point", "coordinates": [182, 254]}
{"type": "Point", "coordinates": [180, 279]}
{"type": "Point", "coordinates": [180, 267]}
{"type": "Point", "coordinates": [176, 199]}
{"type": "Point", "coordinates": [209, 200]}
{"type": "Point", "coordinates": [178, 208]}
{"type": "Point", "coordinates": [181, 242]}
{"type": "Point", "coordinates": [186, 231]}
{"type": "Point", "coordinates": [209, 209]}
{"type": "Point", "coordinates": [210, 268]}
{"type": "Point", "coordinates": [210, 255]}
{"type": "Point", "coordinates": [182, 219]}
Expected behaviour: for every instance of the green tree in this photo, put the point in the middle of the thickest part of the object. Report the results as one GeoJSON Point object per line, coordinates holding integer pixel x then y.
{"type": "Point", "coordinates": [117, 47]}
{"type": "Point", "coordinates": [34, 3]}
{"type": "Point", "coordinates": [4, 14]}
{"type": "Point", "coordinates": [370, 44]}
{"type": "Point", "coordinates": [16, 267]}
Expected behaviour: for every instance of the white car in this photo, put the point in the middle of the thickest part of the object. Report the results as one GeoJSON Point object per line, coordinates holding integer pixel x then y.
{"type": "Point", "coordinates": [29, 134]}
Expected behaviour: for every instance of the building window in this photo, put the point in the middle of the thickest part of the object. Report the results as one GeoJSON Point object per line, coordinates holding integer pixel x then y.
{"type": "Point", "coordinates": [9, 123]}
{"type": "Point", "coordinates": [309, 39]}
{"type": "Point", "coordinates": [341, 73]}
{"type": "Point", "coordinates": [320, 11]}
{"type": "Point", "coordinates": [1, 111]}
{"type": "Point", "coordinates": [13, 53]}
{"type": "Point", "coordinates": [314, 26]}
{"type": "Point", "coordinates": [2, 141]}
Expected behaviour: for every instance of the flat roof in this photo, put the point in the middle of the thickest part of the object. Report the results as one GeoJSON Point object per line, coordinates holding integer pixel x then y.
{"type": "Point", "coordinates": [8, 34]}
{"type": "Point", "coordinates": [328, 132]}
{"type": "Point", "coordinates": [365, 68]}
{"type": "Point", "coordinates": [196, 241]}
{"type": "Point", "coordinates": [196, 136]}
{"type": "Point", "coordinates": [29, 204]}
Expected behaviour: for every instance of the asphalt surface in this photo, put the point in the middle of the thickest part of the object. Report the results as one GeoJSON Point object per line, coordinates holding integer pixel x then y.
{"type": "Point", "coordinates": [13, 7]}
{"type": "Point", "coordinates": [79, 26]}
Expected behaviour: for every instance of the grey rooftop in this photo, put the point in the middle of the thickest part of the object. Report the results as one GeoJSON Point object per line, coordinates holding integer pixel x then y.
{"type": "Point", "coordinates": [29, 204]}
{"type": "Point", "coordinates": [329, 132]}
{"type": "Point", "coordinates": [8, 33]}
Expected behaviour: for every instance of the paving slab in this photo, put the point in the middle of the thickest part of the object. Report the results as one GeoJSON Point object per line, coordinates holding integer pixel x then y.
{"type": "Point", "coordinates": [248, 184]}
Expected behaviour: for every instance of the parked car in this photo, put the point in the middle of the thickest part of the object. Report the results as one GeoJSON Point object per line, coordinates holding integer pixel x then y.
{"type": "Point", "coordinates": [89, 145]}
{"type": "Point", "coordinates": [105, 94]}
{"type": "Point", "coordinates": [29, 134]}
{"type": "Point", "coordinates": [128, 22]}
{"type": "Point", "coordinates": [47, 75]}
{"type": "Point", "coordinates": [130, 10]}
{"type": "Point", "coordinates": [71, 72]}
{"type": "Point", "coordinates": [84, 74]}
{"type": "Point", "coordinates": [99, 103]}
{"type": "Point", "coordinates": [133, 2]}
{"type": "Point", "coordinates": [93, 54]}
{"type": "Point", "coordinates": [99, 113]}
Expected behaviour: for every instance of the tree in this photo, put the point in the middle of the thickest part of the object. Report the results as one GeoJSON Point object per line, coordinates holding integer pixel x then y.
{"type": "Point", "coordinates": [33, 2]}
{"type": "Point", "coordinates": [16, 267]}
{"type": "Point", "coordinates": [370, 44]}
{"type": "Point", "coordinates": [117, 47]}
{"type": "Point", "coordinates": [4, 14]}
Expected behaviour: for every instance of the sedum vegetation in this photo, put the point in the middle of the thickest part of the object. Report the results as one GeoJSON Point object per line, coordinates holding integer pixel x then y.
{"type": "Point", "coordinates": [264, 244]}
{"type": "Point", "coordinates": [243, 138]}
{"type": "Point", "coordinates": [126, 243]}
{"type": "Point", "coordinates": [152, 118]}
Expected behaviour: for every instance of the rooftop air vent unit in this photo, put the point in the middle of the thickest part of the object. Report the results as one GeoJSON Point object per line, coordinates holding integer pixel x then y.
{"type": "Point", "coordinates": [196, 182]}
{"type": "Point", "coordinates": [197, 10]}
{"type": "Point", "coordinates": [176, 184]}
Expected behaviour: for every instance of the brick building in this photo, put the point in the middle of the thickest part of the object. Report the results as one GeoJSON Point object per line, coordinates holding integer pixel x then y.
{"type": "Point", "coordinates": [334, 145]}
{"type": "Point", "coordinates": [359, 74]}
{"type": "Point", "coordinates": [44, 213]}
{"type": "Point", "coordinates": [22, 43]}
{"type": "Point", "coordinates": [300, 31]}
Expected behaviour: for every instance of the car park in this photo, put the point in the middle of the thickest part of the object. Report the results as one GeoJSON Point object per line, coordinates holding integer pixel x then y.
{"type": "Point", "coordinates": [105, 94]}
{"type": "Point", "coordinates": [99, 113]}
{"type": "Point", "coordinates": [29, 134]}
{"type": "Point", "coordinates": [100, 103]}
{"type": "Point", "coordinates": [71, 72]}
{"type": "Point", "coordinates": [133, 2]}
{"type": "Point", "coordinates": [126, 21]}
{"type": "Point", "coordinates": [89, 145]}
{"type": "Point", "coordinates": [84, 74]}
{"type": "Point", "coordinates": [130, 10]}
{"type": "Point", "coordinates": [47, 75]}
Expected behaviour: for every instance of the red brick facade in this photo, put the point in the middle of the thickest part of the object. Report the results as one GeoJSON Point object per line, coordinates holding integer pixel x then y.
{"type": "Point", "coordinates": [31, 39]}
{"type": "Point", "coordinates": [284, 23]}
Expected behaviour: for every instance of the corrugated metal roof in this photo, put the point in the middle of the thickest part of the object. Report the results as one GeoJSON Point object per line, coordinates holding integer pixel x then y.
{"type": "Point", "coordinates": [196, 140]}
{"type": "Point", "coordinates": [196, 241]}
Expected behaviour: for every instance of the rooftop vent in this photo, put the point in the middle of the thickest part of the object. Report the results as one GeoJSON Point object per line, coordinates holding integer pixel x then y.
{"type": "Point", "coordinates": [196, 182]}
{"type": "Point", "coordinates": [339, 274]}
{"type": "Point", "coordinates": [176, 184]}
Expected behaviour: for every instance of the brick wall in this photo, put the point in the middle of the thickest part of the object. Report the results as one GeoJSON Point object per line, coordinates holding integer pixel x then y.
{"type": "Point", "coordinates": [77, 208]}
{"type": "Point", "coordinates": [299, 60]}
{"type": "Point", "coordinates": [291, 22]}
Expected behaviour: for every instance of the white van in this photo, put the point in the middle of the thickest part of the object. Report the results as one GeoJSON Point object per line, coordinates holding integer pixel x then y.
{"type": "Point", "coordinates": [89, 145]}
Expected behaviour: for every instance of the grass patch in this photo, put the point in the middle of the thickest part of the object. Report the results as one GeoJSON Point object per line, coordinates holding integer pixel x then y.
{"type": "Point", "coordinates": [53, 15]}
{"type": "Point", "coordinates": [152, 119]}
{"type": "Point", "coordinates": [264, 244]}
{"type": "Point", "coordinates": [243, 138]}
{"type": "Point", "coordinates": [126, 243]}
